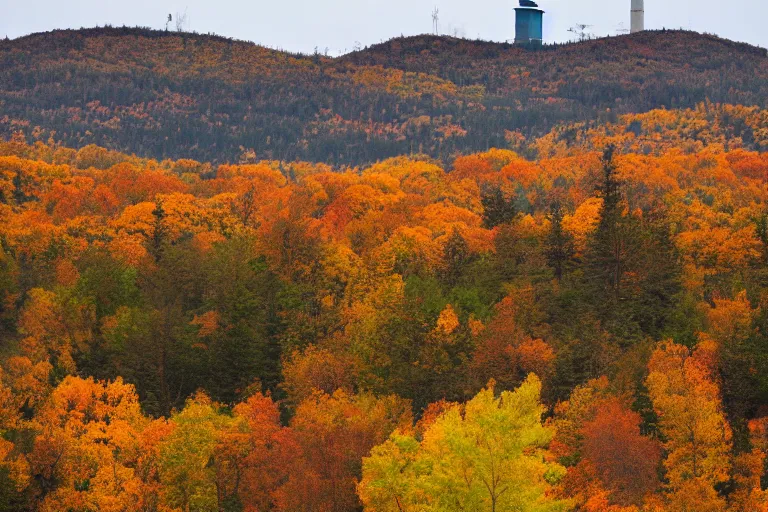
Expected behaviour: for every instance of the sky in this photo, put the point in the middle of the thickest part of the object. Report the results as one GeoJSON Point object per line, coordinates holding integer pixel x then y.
{"type": "Point", "coordinates": [338, 26]}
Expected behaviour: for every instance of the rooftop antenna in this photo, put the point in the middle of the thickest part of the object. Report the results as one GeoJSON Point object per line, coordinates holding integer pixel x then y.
{"type": "Point", "coordinates": [435, 19]}
{"type": "Point", "coordinates": [580, 29]}
{"type": "Point", "coordinates": [621, 29]}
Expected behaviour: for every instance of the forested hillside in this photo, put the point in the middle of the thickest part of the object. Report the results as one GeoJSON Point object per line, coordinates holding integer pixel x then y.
{"type": "Point", "coordinates": [170, 95]}
{"type": "Point", "coordinates": [584, 331]}
{"type": "Point", "coordinates": [433, 275]}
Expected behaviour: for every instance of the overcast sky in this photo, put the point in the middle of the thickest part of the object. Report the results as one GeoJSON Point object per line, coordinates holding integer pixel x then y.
{"type": "Point", "coordinates": [302, 25]}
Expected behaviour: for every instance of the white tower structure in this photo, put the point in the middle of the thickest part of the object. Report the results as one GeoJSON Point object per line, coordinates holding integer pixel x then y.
{"type": "Point", "coordinates": [638, 16]}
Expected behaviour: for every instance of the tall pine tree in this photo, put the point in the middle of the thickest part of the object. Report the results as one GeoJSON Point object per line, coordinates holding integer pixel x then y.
{"type": "Point", "coordinates": [497, 207]}
{"type": "Point", "coordinates": [560, 250]}
{"type": "Point", "coordinates": [631, 269]}
{"type": "Point", "coordinates": [612, 249]}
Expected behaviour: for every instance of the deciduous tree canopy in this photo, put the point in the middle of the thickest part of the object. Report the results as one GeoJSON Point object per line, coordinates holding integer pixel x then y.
{"type": "Point", "coordinates": [290, 336]}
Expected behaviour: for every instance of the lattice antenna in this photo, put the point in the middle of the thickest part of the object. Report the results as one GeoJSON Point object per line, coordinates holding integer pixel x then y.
{"type": "Point", "coordinates": [580, 29]}
{"type": "Point", "coordinates": [181, 21]}
{"type": "Point", "coordinates": [436, 19]}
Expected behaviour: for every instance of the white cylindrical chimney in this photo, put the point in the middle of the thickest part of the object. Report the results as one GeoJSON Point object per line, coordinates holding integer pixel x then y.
{"type": "Point", "coordinates": [638, 16]}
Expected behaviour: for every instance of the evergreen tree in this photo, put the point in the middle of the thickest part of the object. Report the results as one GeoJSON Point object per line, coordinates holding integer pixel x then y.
{"type": "Point", "coordinates": [19, 185]}
{"type": "Point", "coordinates": [659, 270]}
{"type": "Point", "coordinates": [456, 257]}
{"type": "Point", "coordinates": [159, 233]}
{"type": "Point", "coordinates": [560, 251]}
{"type": "Point", "coordinates": [612, 254]}
{"type": "Point", "coordinates": [631, 269]}
{"type": "Point", "coordinates": [497, 207]}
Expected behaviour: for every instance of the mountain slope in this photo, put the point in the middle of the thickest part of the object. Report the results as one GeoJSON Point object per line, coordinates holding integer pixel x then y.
{"type": "Point", "coordinates": [164, 94]}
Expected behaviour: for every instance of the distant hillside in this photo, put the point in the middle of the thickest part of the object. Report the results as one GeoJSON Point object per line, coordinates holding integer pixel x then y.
{"type": "Point", "coordinates": [165, 94]}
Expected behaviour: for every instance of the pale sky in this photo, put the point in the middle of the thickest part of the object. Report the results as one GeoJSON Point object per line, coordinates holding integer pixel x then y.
{"type": "Point", "coordinates": [302, 25]}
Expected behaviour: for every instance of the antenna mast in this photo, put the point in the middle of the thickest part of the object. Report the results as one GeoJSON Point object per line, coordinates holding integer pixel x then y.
{"type": "Point", "coordinates": [435, 19]}
{"type": "Point", "coordinates": [580, 29]}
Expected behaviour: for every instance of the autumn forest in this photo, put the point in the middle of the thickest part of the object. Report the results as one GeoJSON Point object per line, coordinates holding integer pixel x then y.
{"type": "Point", "coordinates": [428, 276]}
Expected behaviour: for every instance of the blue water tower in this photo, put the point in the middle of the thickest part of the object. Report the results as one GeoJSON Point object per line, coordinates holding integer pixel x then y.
{"type": "Point", "coordinates": [529, 23]}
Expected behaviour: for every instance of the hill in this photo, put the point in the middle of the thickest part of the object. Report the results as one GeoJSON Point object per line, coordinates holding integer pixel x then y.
{"type": "Point", "coordinates": [168, 95]}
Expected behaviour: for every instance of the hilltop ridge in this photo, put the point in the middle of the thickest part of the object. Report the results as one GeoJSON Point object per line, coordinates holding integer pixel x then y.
{"type": "Point", "coordinates": [168, 94]}
{"type": "Point", "coordinates": [402, 44]}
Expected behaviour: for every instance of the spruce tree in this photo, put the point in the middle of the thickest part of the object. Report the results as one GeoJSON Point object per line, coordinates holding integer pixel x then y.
{"type": "Point", "coordinates": [612, 253]}
{"type": "Point", "coordinates": [659, 269]}
{"type": "Point", "coordinates": [497, 207]}
{"type": "Point", "coordinates": [159, 233]}
{"type": "Point", "coordinates": [456, 256]}
{"type": "Point", "coordinates": [631, 268]}
{"type": "Point", "coordinates": [560, 251]}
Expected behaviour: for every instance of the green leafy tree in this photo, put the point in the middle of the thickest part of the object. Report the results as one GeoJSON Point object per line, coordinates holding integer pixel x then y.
{"type": "Point", "coordinates": [187, 464]}
{"type": "Point", "coordinates": [489, 455]}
